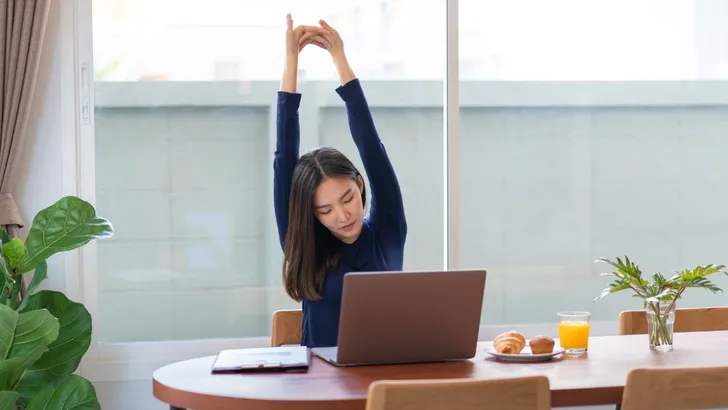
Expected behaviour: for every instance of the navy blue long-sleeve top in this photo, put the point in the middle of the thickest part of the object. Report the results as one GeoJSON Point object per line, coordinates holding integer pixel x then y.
{"type": "Point", "coordinates": [380, 246]}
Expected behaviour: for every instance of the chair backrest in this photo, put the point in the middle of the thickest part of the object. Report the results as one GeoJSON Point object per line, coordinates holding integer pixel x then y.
{"type": "Point", "coordinates": [634, 322]}
{"type": "Point", "coordinates": [676, 389]}
{"type": "Point", "coordinates": [286, 327]}
{"type": "Point", "coordinates": [522, 393]}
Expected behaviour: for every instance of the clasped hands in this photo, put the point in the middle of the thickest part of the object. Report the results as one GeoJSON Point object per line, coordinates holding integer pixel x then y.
{"type": "Point", "coordinates": [324, 36]}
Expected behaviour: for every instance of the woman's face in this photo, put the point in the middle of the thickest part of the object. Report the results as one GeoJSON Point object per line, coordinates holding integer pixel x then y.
{"type": "Point", "coordinates": [338, 206]}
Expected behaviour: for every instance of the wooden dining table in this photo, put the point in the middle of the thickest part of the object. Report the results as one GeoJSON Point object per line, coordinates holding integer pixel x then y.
{"type": "Point", "coordinates": [595, 378]}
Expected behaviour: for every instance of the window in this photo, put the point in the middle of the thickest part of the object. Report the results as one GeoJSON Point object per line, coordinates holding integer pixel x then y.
{"type": "Point", "coordinates": [597, 136]}
{"type": "Point", "coordinates": [572, 40]}
{"type": "Point", "coordinates": [579, 127]}
{"type": "Point", "coordinates": [184, 137]}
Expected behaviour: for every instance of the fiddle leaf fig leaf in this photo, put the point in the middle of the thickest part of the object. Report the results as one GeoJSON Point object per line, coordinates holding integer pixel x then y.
{"type": "Point", "coordinates": [14, 251]}
{"type": "Point", "coordinates": [65, 352]}
{"type": "Point", "coordinates": [68, 224]}
{"type": "Point", "coordinates": [72, 393]}
{"type": "Point", "coordinates": [8, 399]}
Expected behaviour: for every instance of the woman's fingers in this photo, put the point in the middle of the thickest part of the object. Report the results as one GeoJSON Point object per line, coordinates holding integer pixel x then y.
{"type": "Point", "coordinates": [289, 22]}
{"type": "Point", "coordinates": [310, 34]}
{"type": "Point", "coordinates": [326, 25]}
{"type": "Point", "coordinates": [305, 36]}
{"type": "Point", "coordinates": [317, 40]}
{"type": "Point", "coordinates": [321, 41]}
{"type": "Point", "coordinates": [303, 30]}
{"type": "Point", "coordinates": [315, 35]}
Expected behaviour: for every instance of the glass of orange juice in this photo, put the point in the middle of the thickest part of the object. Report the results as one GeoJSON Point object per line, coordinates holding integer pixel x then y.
{"type": "Point", "coordinates": [574, 332]}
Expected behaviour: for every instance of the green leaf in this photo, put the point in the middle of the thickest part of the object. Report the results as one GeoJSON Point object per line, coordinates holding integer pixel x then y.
{"type": "Point", "coordinates": [4, 236]}
{"type": "Point", "coordinates": [701, 283]}
{"type": "Point", "coordinates": [65, 353]}
{"type": "Point", "coordinates": [660, 289]}
{"type": "Point", "coordinates": [24, 337]}
{"type": "Point", "coordinates": [68, 224]}
{"type": "Point", "coordinates": [5, 269]}
{"type": "Point", "coordinates": [8, 399]}
{"type": "Point", "coordinates": [659, 279]}
{"type": "Point", "coordinates": [660, 296]}
{"type": "Point", "coordinates": [616, 286]}
{"type": "Point", "coordinates": [626, 270]}
{"type": "Point", "coordinates": [12, 370]}
{"type": "Point", "coordinates": [14, 251]}
{"type": "Point", "coordinates": [39, 275]}
{"type": "Point", "coordinates": [23, 332]}
{"type": "Point", "coordinates": [700, 271]}
{"type": "Point", "coordinates": [605, 292]}
{"type": "Point", "coordinates": [7, 280]}
{"type": "Point", "coordinates": [73, 392]}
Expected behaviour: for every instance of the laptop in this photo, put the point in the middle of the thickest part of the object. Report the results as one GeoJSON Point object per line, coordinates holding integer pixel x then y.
{"type": "Point", "coordinates": [407, 317]}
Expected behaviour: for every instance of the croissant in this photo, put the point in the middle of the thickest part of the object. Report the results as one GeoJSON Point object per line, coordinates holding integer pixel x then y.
{"type": "Point", "coordinates": [509, 342]}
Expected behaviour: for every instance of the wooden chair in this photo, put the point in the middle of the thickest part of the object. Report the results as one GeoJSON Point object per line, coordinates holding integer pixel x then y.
{"type": "Point", "coordinates": [286, 327]}
{"type": "Point", "coordinates": [634, 322]}
{"type": "Point", "coordinates": [676, 389]}
{"type": "Point", "coordinates": [523, 393]}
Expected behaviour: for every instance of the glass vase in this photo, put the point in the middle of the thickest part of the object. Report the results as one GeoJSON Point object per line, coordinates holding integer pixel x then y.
{"type": "Point", "coordinates": [660, 324]}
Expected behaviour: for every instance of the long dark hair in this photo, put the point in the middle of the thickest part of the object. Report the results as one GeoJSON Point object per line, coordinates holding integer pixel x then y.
{"type": "Point", "coordinates": [310, 248]}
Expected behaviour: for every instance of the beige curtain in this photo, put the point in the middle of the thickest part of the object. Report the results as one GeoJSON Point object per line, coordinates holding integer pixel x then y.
{"type": "Point", "coordinates": [22, 27]}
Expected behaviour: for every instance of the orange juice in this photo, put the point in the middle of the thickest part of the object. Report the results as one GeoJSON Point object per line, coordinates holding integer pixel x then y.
{"type": "Point", "coordinates": [574, 334]}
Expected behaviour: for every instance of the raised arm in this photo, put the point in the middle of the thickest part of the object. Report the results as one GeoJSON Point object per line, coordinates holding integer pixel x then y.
{"type": "Point", "coordinates": [387, 208]}
{"type": "Point", "coordinates": [286, 155]}
{"type": "Point", "coordinates": [288, 136]}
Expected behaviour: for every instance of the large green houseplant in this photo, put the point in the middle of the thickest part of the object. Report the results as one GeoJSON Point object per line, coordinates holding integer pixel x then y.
{"type": "Point", "coordinates": [659, 295]}
{"type": "Point", "coordinates": [43, 334]}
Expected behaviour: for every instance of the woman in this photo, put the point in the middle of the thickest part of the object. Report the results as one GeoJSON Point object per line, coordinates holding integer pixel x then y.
{"type": "Point", "coordinates": [320, 198]}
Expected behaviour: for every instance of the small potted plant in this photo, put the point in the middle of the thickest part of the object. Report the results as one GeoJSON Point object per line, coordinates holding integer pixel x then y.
{"type": "Point", "coordinates": [659, 295]}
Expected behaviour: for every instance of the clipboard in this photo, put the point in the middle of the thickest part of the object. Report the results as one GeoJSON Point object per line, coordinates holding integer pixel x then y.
{"type": "Point", "coordinates": [263, 360]}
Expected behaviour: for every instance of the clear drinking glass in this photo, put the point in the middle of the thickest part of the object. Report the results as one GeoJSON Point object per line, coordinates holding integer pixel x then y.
{"type": "Point", "coordinates": [660, 325]}
{"type": "Point", "coordinates": [574, 332]}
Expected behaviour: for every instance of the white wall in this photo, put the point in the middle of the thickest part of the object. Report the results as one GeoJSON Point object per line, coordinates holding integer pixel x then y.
{"type": "Point", "coordinates": [40, 183]}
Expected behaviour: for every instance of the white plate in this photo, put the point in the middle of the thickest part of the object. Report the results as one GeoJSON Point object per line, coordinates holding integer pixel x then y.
{"type": "Point", "coordinates": [525, 356]}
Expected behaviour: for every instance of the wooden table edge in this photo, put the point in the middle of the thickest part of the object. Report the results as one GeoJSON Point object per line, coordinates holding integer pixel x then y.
{"type": "Point", "coordinates": [598, 396]}
{"type": "Point", "coordinates": [199, 401]}
{"type": "Point", "coordinates": [190, 400]}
